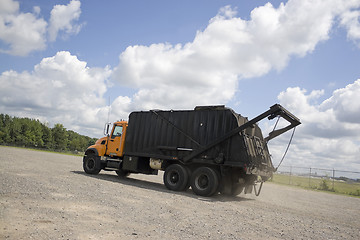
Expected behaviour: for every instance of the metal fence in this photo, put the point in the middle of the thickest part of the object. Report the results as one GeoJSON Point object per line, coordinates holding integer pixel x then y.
{"type": "Point", "coordinates": [320, 178]}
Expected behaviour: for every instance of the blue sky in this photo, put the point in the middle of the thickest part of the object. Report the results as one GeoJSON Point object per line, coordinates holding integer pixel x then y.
{"type": "Point", "coordinates": [61, 61]}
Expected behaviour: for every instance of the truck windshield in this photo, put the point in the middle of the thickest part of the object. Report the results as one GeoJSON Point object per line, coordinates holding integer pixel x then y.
{"type": "Point", "coordinates": [117, 131]}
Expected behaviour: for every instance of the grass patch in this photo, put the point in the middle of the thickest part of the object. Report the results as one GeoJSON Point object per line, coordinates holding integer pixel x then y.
{"type": "Point", "coordinates": [321, 184]}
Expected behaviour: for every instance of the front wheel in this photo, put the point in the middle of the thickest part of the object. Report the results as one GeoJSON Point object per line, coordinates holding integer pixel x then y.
{"type": "Point", "coordinates": [91, 164]}
{"type": "Point", "coordinates": [204, 181]}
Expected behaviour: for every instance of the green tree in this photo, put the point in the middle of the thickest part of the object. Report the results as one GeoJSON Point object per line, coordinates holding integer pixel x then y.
{"type": "Point", "coordinates": [60, 137]}
{"type": "Point", "coordinates": [2, 129]}
{"type": "Point", "coordinates": [38, 133]}
{"type": "Point", "coordinates": [15, 132]}
{"type": "Point", "coordinates": [28, 132]}
{"type": "Point", "coordinates": [47, 138]}
{"type": "Point", "coordinates": [5, 129]}
{"type": "Point", "coordinates": [73, 141]}
{"type": "Point", "coordinates": [91, 141]}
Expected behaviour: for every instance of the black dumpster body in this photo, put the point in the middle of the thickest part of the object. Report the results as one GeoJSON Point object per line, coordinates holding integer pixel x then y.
{"type": "Point", "coordinates": [174, 135]}
{"type": "Point", "coordinates": [195, 138]}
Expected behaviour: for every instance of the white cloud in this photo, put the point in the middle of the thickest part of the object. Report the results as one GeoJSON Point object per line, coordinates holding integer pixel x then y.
{"type": "Point", "coordinates": [350, 20]}
{"type": "Point", "coordinates": [8, 7]}
{"type": "Point", "coordinates": [329, 133]}
{"type": "Point", "coordinates": [36, 10]}
{"type": "Point", "coordinates": [208, 69]}
{"type": "Point", "coordinates": [63, 18]}
{"type": "Point", "coordinates": [345, 103]}
{"type": "Point", "coordinates": [23, 33]}
{"type": "Point", "coordinates": [59, 89]}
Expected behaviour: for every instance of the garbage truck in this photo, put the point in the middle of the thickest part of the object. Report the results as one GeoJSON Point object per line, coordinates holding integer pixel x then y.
{"type": "Point", "coordinates": [211, 149]}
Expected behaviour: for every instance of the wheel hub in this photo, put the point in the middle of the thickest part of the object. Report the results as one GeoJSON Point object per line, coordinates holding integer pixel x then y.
{"type": "Point", "coordinates": [202, 182]}
{"type": "Point", "coordinates": [91, 163]}
{"type": "Point", "coordinates": [174, 177]}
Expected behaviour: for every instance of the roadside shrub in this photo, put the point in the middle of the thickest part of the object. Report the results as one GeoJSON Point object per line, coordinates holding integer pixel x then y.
{"type": "Point", "coordinates": [324, 185]}
{"type": "Point", "coordinates": [356, 193]}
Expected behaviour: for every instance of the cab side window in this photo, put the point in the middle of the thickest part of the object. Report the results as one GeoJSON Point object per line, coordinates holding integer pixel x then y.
{"type": "Point", "coordinates": [117, 131]}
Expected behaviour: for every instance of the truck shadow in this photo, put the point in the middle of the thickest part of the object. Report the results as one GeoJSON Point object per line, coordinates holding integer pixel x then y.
{"type": "Point", "coordinates": [161, 187]}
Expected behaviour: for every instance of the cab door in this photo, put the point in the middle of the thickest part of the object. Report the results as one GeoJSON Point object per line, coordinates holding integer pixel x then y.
{"type": "Point", "coordinates": [115, 141]}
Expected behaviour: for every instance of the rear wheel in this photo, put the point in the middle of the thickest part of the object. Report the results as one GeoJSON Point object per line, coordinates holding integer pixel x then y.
{"type": "Point", "coordinates": [176, 177]}
{"type": "Point", "coordinates": [91, 164]}
{"type": "Point", "coordinates": [237, 188]}
{"type": "Point", "coordinates": [204, 181]}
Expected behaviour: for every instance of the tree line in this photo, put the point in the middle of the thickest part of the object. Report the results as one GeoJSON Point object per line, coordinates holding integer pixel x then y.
{"type": "Point", "coordinates": [26, 132]}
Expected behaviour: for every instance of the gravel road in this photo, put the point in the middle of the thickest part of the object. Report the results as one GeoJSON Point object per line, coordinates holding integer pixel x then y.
{"type": "Point", "coordinates": [48, 196]}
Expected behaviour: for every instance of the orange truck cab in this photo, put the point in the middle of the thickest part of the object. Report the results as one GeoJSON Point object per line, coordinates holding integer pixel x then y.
{"type": "Point", "coordinates": [109, 150]}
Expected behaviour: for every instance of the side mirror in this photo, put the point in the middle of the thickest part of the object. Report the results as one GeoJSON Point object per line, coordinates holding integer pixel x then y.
{"type": "Point", "coordinates": [106, 129]}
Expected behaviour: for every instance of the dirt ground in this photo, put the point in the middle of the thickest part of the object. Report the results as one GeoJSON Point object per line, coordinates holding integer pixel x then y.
{"type": "Point", "coordinates": [48, 196]}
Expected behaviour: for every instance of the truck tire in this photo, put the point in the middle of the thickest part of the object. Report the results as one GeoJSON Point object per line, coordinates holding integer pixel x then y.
{"type": "Point", "coordinates": [122, 173]}
{"type": "Point", "coordinates": [204, 181]}
{"type": "Point", "coordinates": [91, 164]}
{"type": "Point", "coordinates": [237, 188]}
{"type": "Point", "coordinates": [176, 177]}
